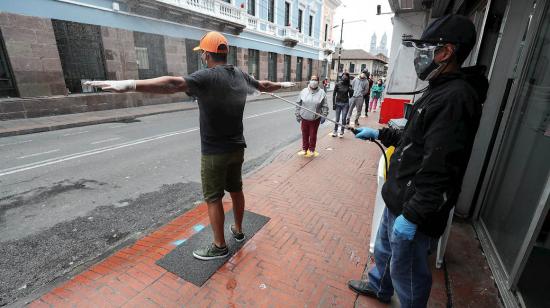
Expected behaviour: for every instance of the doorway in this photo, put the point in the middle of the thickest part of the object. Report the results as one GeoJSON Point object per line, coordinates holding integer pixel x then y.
{"type": "Point", "coordinates": [514, 210]}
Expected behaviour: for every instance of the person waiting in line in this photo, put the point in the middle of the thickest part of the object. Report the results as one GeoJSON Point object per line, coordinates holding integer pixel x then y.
{"type": "Point", "coordinates": [221, 90]}
{"type": "Point", "coordinates": [360, 88]}
{"type": "Point", "coordinates": [376, 95]}
{"type": "Point", "coordinates": [340, 103]}
{"type": "Point", "coordinates": [326, 85]}
{"type": "Point", "coordinates": [426, 170]}
{"type": "Point", "coordinates": [366, 97]}
{"type": "Point", "coordinates": [312, 98]}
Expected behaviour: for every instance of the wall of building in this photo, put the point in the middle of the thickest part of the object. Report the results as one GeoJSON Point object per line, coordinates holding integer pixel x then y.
{"type": "Point", "coordinates": [101, 13]}
{"type": "Point", "coordinates": [36, 64]}
{"type": "Point", "coordinates": [32, 53]}
{"type": "Point", "coordinates": [119, 52]}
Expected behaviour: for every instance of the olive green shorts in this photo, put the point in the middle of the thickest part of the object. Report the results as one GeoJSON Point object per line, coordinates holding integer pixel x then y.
{"type": "Point", "coordinates": [221, 172]}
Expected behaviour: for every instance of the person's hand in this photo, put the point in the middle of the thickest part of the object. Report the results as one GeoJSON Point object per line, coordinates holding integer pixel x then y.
{"type": "Point", "coordinates": [366, 133]}
{"type": "Point", "coordinates": [403, 229]}
{"type": "Point", "coordinates": [322, 120]}
{"type": "Point", "coordinates": [287, 84]}
{"type": "Point", "coordinates": [118, 86]}
{"type": "Point", "coordinates": [298, 119]}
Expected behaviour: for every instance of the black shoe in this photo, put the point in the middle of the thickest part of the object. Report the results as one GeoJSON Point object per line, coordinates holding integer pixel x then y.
{"type": "Point", "coordinates": [362, 287]}
{"type": "Point", "coordinates": [239, 237]}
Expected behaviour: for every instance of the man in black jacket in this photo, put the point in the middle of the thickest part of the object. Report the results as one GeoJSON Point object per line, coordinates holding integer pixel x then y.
{"type": "Point", "coordinates": [428, 165]}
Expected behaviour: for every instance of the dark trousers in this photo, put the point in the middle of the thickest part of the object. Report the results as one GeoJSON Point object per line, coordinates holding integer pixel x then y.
{"type": "Point", "coordinates": [309, 134]}
{"type": "Point", "coordinates": [341, 110]}
{"type": "Point", "coordinates": [366, 104]}
{"type": "Point", "coordinates": [401, 265]}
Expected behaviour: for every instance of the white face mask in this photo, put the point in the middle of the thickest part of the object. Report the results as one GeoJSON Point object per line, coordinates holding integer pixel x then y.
{"type": "Point", "coordinates": [313, 84]}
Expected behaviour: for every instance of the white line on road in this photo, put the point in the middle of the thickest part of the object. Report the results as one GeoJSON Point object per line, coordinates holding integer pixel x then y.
{"type": "Point", "coordinates": [61, 159]}
{"type": "Point", "coordinates": [77, 133]}
{"type": "Point", "coordinates": [105, 140]}
{"type": "Point", "coordinates": [36, 154]}
{"type": "Point", "coordinates": [117, 126]}
{"type": "Point", "coordinates": [14, 143]}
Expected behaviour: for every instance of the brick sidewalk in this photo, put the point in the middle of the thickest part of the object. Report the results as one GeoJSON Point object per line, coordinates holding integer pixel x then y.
{"type": "Point", "coordinates": [317, 239]}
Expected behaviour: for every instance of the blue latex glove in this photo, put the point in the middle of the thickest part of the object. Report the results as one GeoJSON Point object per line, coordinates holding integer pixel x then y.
{"type": "Point", "coordinates": [366, 133]}
{"type": "Point", "coordinates": [322, 120]}
{"type": "Point", "coordinates": [403, 229]}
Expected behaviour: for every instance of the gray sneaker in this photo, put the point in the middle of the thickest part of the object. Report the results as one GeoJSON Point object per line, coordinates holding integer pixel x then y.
{"type": "Point", "coordinates": [239, 237]}
{"type": "Point", "coordinates": [211, 252]}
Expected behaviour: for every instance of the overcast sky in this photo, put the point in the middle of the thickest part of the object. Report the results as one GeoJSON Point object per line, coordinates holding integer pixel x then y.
{"type": "Point", "coordinates": [358, 35]}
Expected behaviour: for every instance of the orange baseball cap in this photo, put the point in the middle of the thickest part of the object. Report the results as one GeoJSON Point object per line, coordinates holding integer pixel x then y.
{"type": "Point", "coordinates": [213, 42]}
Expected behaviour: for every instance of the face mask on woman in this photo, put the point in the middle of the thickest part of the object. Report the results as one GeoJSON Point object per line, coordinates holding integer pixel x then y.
{"type": "Point", "coordinates": [313, 84]}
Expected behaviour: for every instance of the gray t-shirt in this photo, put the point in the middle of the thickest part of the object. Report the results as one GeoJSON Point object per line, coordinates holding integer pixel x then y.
{"type": "Point", "coordinates": [360, 87]}
{"type": "Point", "coordinates": [221, 92]}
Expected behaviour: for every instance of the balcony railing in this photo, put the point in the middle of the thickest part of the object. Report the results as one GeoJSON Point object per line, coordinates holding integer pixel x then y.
{"type": "Point", "coordinates": [231, 13]}
{"type": "Point", "coordinates": [218, 9]}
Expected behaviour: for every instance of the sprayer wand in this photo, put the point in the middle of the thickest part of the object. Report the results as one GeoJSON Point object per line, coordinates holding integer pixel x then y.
{"type": "Point", "coordinates": [352, 129]}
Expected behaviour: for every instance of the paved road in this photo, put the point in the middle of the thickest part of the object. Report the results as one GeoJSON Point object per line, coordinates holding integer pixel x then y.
{"type": "Point", "coordinates": [69, 196]}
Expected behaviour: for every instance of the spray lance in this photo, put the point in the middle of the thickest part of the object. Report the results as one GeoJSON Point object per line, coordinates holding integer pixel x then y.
{"type": "Point", "coordinates": [352, 129]}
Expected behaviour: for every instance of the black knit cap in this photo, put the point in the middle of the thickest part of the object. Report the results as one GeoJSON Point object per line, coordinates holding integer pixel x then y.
{"type": "Point", "coordinates": [454, 29]}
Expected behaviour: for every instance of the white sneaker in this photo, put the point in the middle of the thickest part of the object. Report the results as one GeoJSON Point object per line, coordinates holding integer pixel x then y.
{"type": "Point", "coordinates": [341, 135]}
{"type": "Point", "coordinates": [333, 134]}
{"type": "Point", "coordinates": [363, 116]}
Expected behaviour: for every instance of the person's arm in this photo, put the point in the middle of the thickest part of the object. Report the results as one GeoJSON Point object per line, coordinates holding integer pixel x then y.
{"type": "Point", "coordinates": [334, 91]}
{"type": "Point", "coordinates": [297, 111]}
{"type": "Point", "coordinates": [162, 85]}
{"type": "Point", "coordinates": [270, 86]}
{"type": "Point", "coordinates": [324, 107]}
{"type": "Point", "coordinates": [390, 136]}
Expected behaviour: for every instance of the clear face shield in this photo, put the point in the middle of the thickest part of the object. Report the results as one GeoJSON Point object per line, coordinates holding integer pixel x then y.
{"type": "Point", "coordinates": [413, 67]}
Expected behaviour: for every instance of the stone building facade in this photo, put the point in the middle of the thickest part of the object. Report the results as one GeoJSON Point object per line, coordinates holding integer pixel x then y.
{"type": "Point", "coordinates": [46, 56]}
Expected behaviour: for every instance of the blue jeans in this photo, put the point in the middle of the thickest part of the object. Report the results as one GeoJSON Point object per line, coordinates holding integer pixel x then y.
{"type": "Point", "coordinates": [401, 265]}
{"type": "Point", "coordinates": [341, 110]}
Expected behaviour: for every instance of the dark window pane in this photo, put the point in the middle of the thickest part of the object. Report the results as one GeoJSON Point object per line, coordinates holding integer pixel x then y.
{"type": "Point", "coordinates": [272, 66]}
{"type": "Point", "coordinates": [81, 52]}
{"type": "Point", "coordinates": [310, 25]}
{"type": "Point", "coordinates": [299, 63]}
{"type": "Point", "coordinates": [7, 86]}
{"type": "Point", "coordinates": [309, 68]}
{"type": "Point", "coordinates": [287, 14]}
{"type": "Point", "coordinates": [287, 68]}
{"type": "Point", "coordinates": [232, 56]}
{"type": "Point", "coordinates": [254, 63]}
{"type": "Point", "coordinates": [271, 11]}
{"type": "Point", "coordinates": [300, 16]}
{"type": "Point", "coordinates": [251, 8]}
{"type": "Point", "coordinates": [154, 45]}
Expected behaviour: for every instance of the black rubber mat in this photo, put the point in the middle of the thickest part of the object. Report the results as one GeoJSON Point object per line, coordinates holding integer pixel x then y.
{"type": "Point", "coordinates": [181, 262]}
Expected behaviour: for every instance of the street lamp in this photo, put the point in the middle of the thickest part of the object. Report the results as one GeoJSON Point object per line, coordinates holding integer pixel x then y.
{"type": "Point", "coordinates": [342, 41]}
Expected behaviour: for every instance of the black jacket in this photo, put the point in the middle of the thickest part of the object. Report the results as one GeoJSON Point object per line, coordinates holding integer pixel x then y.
{"type": "Point", "coordinates": [433, 150]}
{"type": "Point", "coordinates": [342, 93]}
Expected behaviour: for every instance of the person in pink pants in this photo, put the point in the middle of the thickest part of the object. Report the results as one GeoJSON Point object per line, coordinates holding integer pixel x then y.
{"type": "Point", "coordinates": [375, 95]}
